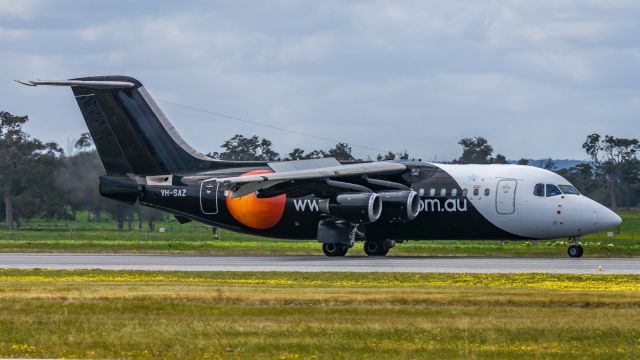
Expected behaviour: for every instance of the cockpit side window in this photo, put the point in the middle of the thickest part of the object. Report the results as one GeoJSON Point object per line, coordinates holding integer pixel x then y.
{"type": "Point", "coordinates": [568, 189]}
{"type": "Point", "coordinates": [538, 190]}
{"type": "Point", "coordinates": [553, 190]}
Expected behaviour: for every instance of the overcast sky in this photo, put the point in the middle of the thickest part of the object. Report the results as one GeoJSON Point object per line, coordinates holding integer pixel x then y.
{"type": "Point", "coordinates": [533, 77]}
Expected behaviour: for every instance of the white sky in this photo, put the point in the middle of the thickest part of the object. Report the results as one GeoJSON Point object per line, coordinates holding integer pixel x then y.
{"type": "Point", "coordinates": [533, 77]}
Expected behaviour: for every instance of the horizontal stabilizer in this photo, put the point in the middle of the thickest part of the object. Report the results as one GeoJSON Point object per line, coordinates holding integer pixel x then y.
{"type": "Point", "coordinates": [80, 83]}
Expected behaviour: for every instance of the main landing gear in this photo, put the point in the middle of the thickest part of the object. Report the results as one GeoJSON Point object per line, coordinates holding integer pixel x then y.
{"type": "Point", "coordinates": [378, 247]}
{"type": "Point", "coordinates": [337, 237]}
{"type": "Point", "coordinates": [575, 250]}
{"type": "Point", "coordinates": [335, 249]}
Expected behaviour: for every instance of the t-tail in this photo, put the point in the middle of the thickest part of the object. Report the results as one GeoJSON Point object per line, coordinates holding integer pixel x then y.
{"type": "Point", "coordinates": [130, 132]}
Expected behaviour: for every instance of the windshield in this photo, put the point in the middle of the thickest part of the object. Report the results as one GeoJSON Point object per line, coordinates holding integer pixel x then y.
{"type": "Point", "coordinates": [553, 190]}
{"type": "Point", "coordinates": [568, 189]}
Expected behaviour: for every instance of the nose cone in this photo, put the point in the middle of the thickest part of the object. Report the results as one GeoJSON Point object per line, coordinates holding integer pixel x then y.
{"type": "Point", "coordinates": [608, 218]}
{"type": "Point", "coordinates": [613, 219]}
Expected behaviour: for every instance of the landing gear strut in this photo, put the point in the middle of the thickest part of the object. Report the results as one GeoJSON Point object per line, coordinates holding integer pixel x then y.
{"type": "Point", "coordinates": [335, 249]}
{"type": "Point", "coordinates": [575, 250]}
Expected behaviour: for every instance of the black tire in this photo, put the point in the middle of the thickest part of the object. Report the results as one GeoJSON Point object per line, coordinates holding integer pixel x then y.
{"type": "Point", "coordinates": [371, 247]}
{"type": "Point", "coordinates": [335, 249]}
{"type": "Point", "coordinates": [575, 251]}
{"type": "Point", "coordinates": [376, 248]}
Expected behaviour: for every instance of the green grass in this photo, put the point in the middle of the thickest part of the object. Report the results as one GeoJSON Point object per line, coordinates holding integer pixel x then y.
{"type": "Point", "coordinates": [101, 237]}
{"type": "Point", "coordinates": [155, 315]}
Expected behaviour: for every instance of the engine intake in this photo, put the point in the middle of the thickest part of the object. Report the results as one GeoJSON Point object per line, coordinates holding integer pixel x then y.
{"type": "Point", "coordinates": [358, 208]}
{"type": "Point", "coordinates": [400, 206]}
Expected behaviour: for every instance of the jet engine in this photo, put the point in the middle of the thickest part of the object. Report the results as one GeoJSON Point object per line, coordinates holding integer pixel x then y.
{"type": "Point", "coordinates": [357, 208]}
{"type": "Point", "coordinates": [402, 205]}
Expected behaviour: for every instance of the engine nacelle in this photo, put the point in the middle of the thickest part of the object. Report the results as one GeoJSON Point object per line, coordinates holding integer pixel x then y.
{"type": "Point", "coordinates": [402, 205]}
{"type": "Point", "coordinates": [357, 208]}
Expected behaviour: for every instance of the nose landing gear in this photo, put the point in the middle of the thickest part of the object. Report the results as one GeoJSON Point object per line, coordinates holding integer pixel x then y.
{"type": "Point", "coordinates": [575, 250]}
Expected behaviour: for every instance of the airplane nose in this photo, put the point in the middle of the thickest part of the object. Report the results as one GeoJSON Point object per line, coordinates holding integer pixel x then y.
{"type": "Point", "coordinates": [609, 218]}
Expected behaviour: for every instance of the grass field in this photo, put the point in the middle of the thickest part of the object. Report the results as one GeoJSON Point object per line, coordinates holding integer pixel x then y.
{"type": "Point", "coordinates": [91, 237]}
{"type": "Point", "coordinates": [104, 314]}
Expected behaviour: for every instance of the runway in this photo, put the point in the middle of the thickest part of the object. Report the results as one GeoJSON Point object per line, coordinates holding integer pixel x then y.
{"type": "Point", "coordinates": [319, 263]}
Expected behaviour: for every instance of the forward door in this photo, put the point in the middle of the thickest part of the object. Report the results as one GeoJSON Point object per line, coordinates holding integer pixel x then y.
{"type": "Point", "coordinates": [506, 196]}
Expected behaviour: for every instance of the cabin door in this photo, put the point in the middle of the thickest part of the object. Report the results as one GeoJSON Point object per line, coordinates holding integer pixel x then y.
{"type": "Point", "coordinates": [506, 196]}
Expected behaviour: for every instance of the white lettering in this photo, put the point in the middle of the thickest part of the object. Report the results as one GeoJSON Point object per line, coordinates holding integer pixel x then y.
{"type": "Point", "coordinates": [431, 205]}
{"type": "Point", "coordinates": [173, 192]}
{"type": "Point", "coordinates": [449, 205]}
{"type": "Point", "coordinates": [301, 205]}
{"type": "Point", "coordinates": [460, 208]}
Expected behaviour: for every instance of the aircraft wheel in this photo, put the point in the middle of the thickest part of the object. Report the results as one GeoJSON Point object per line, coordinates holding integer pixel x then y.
{"type": "Point", "coordinates": [376, 248]}
{"type": "Point", "coordinates": [575, 251]}
{"type": "Point", "coordinates": [333, 249]}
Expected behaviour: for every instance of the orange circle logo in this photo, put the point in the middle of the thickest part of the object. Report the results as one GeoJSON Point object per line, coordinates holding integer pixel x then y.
{"type": "Point", "coordinates": [251, 211]}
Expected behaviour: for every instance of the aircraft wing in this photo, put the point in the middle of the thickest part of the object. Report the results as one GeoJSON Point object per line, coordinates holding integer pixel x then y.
{"type": "Point", "coordinates": [243, 185]}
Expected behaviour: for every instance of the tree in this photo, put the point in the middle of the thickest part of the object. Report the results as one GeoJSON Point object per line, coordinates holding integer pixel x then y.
{"type": "Point", "coordinates": [500, 159]}
{"type": "Point", "coordinates": [251, 148]}
{"type": "Point", "coordinates": [78, 177]}
{"type": "Point", "coordinates": [150, 215]}
{"type": "Point", "coordinates": [298, 154]}
{"type": "Point", "coordinates": [582, 176]}
{"type": "Point", "coordinates": [611, 156]}
{"type": "Point", "coordinates": [23, 161]}
{"type": "Point", "coordinates": [475, 151]}
{"type": "Point", "coordinates": [523, 161]}
{"type": "Point", "coordinates": [548, 164]}
{"type": "Point", "coordinates": [84, 142]}
{"type": "Point", "coordinates": [342, 151]}
{"type": "Point", "coordinates": [390, 155]}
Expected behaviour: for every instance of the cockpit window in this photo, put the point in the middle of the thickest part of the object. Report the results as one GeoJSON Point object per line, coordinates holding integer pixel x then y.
{"type": "Point", "coordinates": [538, 190]}
{"type": "Point", "coordinates": [553, 190]}
{"type": "Point", "coordinates": [568, 189]}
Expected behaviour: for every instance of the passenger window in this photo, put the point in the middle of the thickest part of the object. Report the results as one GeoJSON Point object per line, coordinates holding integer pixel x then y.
{"type": "Point", "coordinates": [432, 192]}
{"type": "Point", "coordinates": [486, 192]}
{"type": "Point", "coordinates": [553, 190]}
{"type": "Point", "coordinates": [454, 192]}
{"type": "Point", "coordinates": [476, 191]}
{"type": "Point", "coordinates": [465, 192]}
{"type": "Point", "coordinates": [538, 190]}
{"type": "Point", "coordinates": [421, 192]}
{"type": "Point", "coordinates": [443, 192]}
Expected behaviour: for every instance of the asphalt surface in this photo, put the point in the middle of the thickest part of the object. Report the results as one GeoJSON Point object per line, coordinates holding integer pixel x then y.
{"type": "Point", "coordinates": [319, 263]}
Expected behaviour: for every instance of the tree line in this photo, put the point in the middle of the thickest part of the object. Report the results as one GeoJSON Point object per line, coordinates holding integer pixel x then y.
{"type": "Point", "coordinates": [41, 180]}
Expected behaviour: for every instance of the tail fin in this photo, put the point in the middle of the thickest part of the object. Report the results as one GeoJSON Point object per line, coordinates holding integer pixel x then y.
{"type": "Point", "coordinates": [130, 132]}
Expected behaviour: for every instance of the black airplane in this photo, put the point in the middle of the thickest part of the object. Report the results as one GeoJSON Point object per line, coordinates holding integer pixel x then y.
{"type": "Point", "coordinates": [381, 203]}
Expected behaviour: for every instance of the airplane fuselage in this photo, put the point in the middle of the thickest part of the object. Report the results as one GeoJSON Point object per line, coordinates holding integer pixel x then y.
{"type": "Point", "coordinates": [473, 202]}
